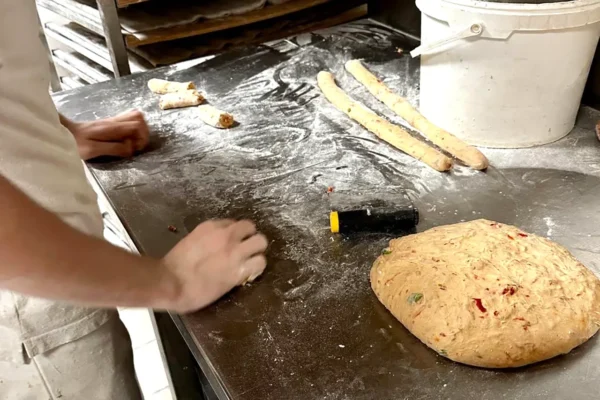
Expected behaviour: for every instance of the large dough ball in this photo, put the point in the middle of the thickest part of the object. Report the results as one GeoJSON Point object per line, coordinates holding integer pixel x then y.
{"type": "Point", "coordinates": [488, 294]}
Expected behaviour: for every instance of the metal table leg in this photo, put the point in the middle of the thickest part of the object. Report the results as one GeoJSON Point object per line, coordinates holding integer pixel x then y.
{"type": "Point", "coordinates": [114, 38]}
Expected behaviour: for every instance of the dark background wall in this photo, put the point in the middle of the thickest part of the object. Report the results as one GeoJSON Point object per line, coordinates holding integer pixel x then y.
{"type": "Point", "coordinates": [592, 88]}
{"type": "Point", "coordinates": [401, 14]}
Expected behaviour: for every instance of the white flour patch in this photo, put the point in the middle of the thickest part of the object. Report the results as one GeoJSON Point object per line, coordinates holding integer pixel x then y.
{"type": "Point", "coordinates": [549, 224]}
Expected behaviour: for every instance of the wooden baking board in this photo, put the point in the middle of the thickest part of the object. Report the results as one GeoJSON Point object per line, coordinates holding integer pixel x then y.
{"type": "Point", "coordinates": [179, 50]}
{"type": "Point", "coordinates": [125, 3]}
{"type": "Point", "coordinates": [207, 26]}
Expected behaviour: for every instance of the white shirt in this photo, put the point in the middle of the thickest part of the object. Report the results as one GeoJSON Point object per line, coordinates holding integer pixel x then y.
{"type": "Point", "coordinates": [39, 156]}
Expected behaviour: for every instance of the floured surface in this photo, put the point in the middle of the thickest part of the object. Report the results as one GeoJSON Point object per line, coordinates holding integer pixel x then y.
{"type": "Point", "coordinates": [275, 167]}
{"type": "Point", "coordinates": [487, 294]}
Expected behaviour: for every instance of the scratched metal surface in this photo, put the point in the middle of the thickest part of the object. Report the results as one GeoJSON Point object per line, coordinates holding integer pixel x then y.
{"type": "Point", "coordinates": [311, 327]}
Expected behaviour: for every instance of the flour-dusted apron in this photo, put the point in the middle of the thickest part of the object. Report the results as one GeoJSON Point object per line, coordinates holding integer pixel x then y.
{"type": "Point", "coordinates": [40, 157]}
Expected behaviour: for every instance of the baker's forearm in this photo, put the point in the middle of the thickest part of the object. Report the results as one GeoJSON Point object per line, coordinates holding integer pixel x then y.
{"type": "Point", "coordinates": [42, 256]}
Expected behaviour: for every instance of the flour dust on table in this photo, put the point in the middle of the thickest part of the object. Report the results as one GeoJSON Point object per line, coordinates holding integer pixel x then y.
{"type": "Point", "coordinates": [275, 167]}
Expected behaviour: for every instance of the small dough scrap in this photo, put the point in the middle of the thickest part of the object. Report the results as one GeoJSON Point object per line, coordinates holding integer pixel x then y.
{"type": "Point", "coordinates": [215, 117]}
{"type": "Point", "coordinates": [161, 86]}
{"type": "Point", "coordinates": [488, 294]}
{"type": "Point", "coordinates": [180, 99]}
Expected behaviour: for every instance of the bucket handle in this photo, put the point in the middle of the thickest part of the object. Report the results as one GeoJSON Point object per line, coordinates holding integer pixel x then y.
{"type": "Point", "coordinates": [472, 31]}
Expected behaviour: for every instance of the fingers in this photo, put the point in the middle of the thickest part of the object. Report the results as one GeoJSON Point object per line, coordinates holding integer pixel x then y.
{"type": "Point", "coordinates": [128, 116]}
{"type": "Point", "coordinates": [92, 149]}
{"type": "Point", "coordinates": [237, 240]}
{"type": "Point", "coordinates": [249, 252]}
{"type": "Point", "coordinates": [130, 125]}
{"type": "Point", "coordinates": [223, 223]}
{"type": "Point", "coordinates": [218, 223]}
{"type": "Point", "coordinates": [242, 230]}
{"type": "Point", "coordinates": [142, 133]}
{"type": "Point", "coordinates": [250, 247]}
{"type": "Point", "coordinates": [211, 228]}
{"type": "Point", "coordinates": [252, 269]}
{"type": "Point", "coordinates": [142, 137]}
{"type": "Point", "coordinates": [114, 131]}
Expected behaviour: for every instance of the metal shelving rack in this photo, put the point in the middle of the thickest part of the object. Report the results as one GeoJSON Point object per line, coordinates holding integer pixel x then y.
{"type": "Point", "coordinates": [104, 22]}
{"type": "Point", "coordinates": [96, 46]}
{"type": "Point", "coordinates": [112, 32]}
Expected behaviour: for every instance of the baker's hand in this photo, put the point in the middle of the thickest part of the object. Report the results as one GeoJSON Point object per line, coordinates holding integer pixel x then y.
{"type": "Point", "coordinates": [119, 136]}
{"type": "Point", "coordinates": [214, 258]}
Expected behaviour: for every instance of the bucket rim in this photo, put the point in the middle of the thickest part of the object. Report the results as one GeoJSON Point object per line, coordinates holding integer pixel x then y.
{"type": "Point", "coordinates": [489, 5]}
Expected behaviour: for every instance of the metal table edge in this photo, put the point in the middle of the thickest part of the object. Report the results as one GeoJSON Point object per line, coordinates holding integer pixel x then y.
{"type": "Point", "coordinates": [201, 358]}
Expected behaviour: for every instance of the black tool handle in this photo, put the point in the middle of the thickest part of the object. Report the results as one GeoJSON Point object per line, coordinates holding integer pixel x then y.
{"type": "Point", "coordinates": [384, 220]}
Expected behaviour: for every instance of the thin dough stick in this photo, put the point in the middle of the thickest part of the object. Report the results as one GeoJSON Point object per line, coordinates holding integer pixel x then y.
{"type": "Point", "coordinates": [445, 140]}
{"type": "Point", "coordinates": [160, 86]}
{"type": "Point", "coordinates": [393, 134]}
{"type": "Point", "coordinates": [180, 99]}
{"type": "Point", "coordinates": [215, 117]}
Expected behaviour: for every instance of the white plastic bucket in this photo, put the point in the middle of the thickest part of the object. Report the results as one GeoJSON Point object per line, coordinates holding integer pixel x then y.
{"type": "Point", "coordinates": [505, 75]}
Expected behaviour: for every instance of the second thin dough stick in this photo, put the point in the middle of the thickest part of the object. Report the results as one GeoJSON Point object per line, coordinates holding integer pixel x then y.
{"type": "Point", "coordinates": [386, 131]}
{"type": "Point", "coordinates": [445, 140]}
